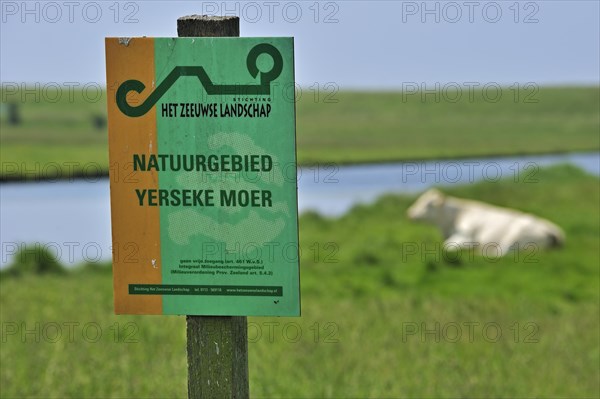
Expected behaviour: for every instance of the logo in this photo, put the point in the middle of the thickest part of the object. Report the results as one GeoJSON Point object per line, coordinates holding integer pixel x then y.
{"type": "Point", "coordinates": [263, 88]}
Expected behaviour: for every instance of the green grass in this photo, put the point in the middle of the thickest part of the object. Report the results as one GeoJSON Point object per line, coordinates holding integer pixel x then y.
{"type": "Point", "coordinates": [360, 127]}
{"type": "Point", "coordinates": [361, 288]}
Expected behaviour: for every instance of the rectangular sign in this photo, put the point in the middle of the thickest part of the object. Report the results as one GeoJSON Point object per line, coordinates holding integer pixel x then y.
{"type": "Point", "coordinates": [203, 176]}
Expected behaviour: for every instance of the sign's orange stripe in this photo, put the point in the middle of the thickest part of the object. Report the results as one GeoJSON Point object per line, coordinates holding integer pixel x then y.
{"type": "Point", "coordinates": [136, 244]}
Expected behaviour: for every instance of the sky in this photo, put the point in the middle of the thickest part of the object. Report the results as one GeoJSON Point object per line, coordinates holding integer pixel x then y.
{"type": "Point", "coordinates": [351, 44]}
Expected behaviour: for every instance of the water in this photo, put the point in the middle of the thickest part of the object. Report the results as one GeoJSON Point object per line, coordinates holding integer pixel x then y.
{"type": "Point", "coordinates": [319, 191]}
{"type": "Point", "coordinates": [72, 218]}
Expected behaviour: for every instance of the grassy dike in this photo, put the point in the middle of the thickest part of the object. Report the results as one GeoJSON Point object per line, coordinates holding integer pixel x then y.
{"type": "Point", "coordinates": [58, 138]}
{"type": "Point", "coordinates": [365, 293]}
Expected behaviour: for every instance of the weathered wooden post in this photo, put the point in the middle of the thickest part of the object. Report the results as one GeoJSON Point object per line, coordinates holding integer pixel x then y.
{"type": "Point", "coordinates": [217, 346]}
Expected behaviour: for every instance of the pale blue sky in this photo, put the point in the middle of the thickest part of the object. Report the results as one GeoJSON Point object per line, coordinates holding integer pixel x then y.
{"type": "Point", "coordinates": [372, 45]}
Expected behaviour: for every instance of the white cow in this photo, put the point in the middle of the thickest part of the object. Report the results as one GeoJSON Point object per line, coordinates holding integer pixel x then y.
{"type": "Point", "coordinates": [469, 224]}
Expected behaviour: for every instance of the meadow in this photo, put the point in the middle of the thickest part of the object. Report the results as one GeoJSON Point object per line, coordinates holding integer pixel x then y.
{"type": "Point", "coordinates": [63, 135]}
{"type": "Point", "coordinates": [385, 313]}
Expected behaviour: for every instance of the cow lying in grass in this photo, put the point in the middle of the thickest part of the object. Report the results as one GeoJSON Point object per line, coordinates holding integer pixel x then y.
{"type": "Point", "coordinates": [473, 224]}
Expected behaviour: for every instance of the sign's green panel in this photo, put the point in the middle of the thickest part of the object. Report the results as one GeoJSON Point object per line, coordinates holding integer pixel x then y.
{"type": "Point", "coordinates": [223, 154]}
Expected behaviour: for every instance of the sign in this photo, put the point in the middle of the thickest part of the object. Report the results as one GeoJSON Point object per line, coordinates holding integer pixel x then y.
{"type": "Point", "coordinates": [203, 176]}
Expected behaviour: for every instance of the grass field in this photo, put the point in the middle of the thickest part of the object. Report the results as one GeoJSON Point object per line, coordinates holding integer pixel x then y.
{"type": "Point", "coordinates": [359, 127]}
{"type": "Point", "coordinates": [364, 298]}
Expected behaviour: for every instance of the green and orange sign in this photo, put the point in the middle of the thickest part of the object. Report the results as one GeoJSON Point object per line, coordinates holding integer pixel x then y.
{"type": "Point", "coordinates": [203, 176]}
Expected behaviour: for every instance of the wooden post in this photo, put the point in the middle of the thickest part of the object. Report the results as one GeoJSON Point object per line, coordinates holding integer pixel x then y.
{"type": "Point", "coordinates": [205, 26]}
{"type": "Point", "coordinates": [13, 114]}
{"type": "Point", "coordinates": [217, 346]}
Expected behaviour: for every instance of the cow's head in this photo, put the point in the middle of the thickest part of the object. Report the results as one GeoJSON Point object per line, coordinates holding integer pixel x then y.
{"type": "Point", "coordinates": [426, 206]}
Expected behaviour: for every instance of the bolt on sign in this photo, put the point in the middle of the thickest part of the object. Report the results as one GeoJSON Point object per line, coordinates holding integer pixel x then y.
{"type": "Point", "coordinates": [203, 176]}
